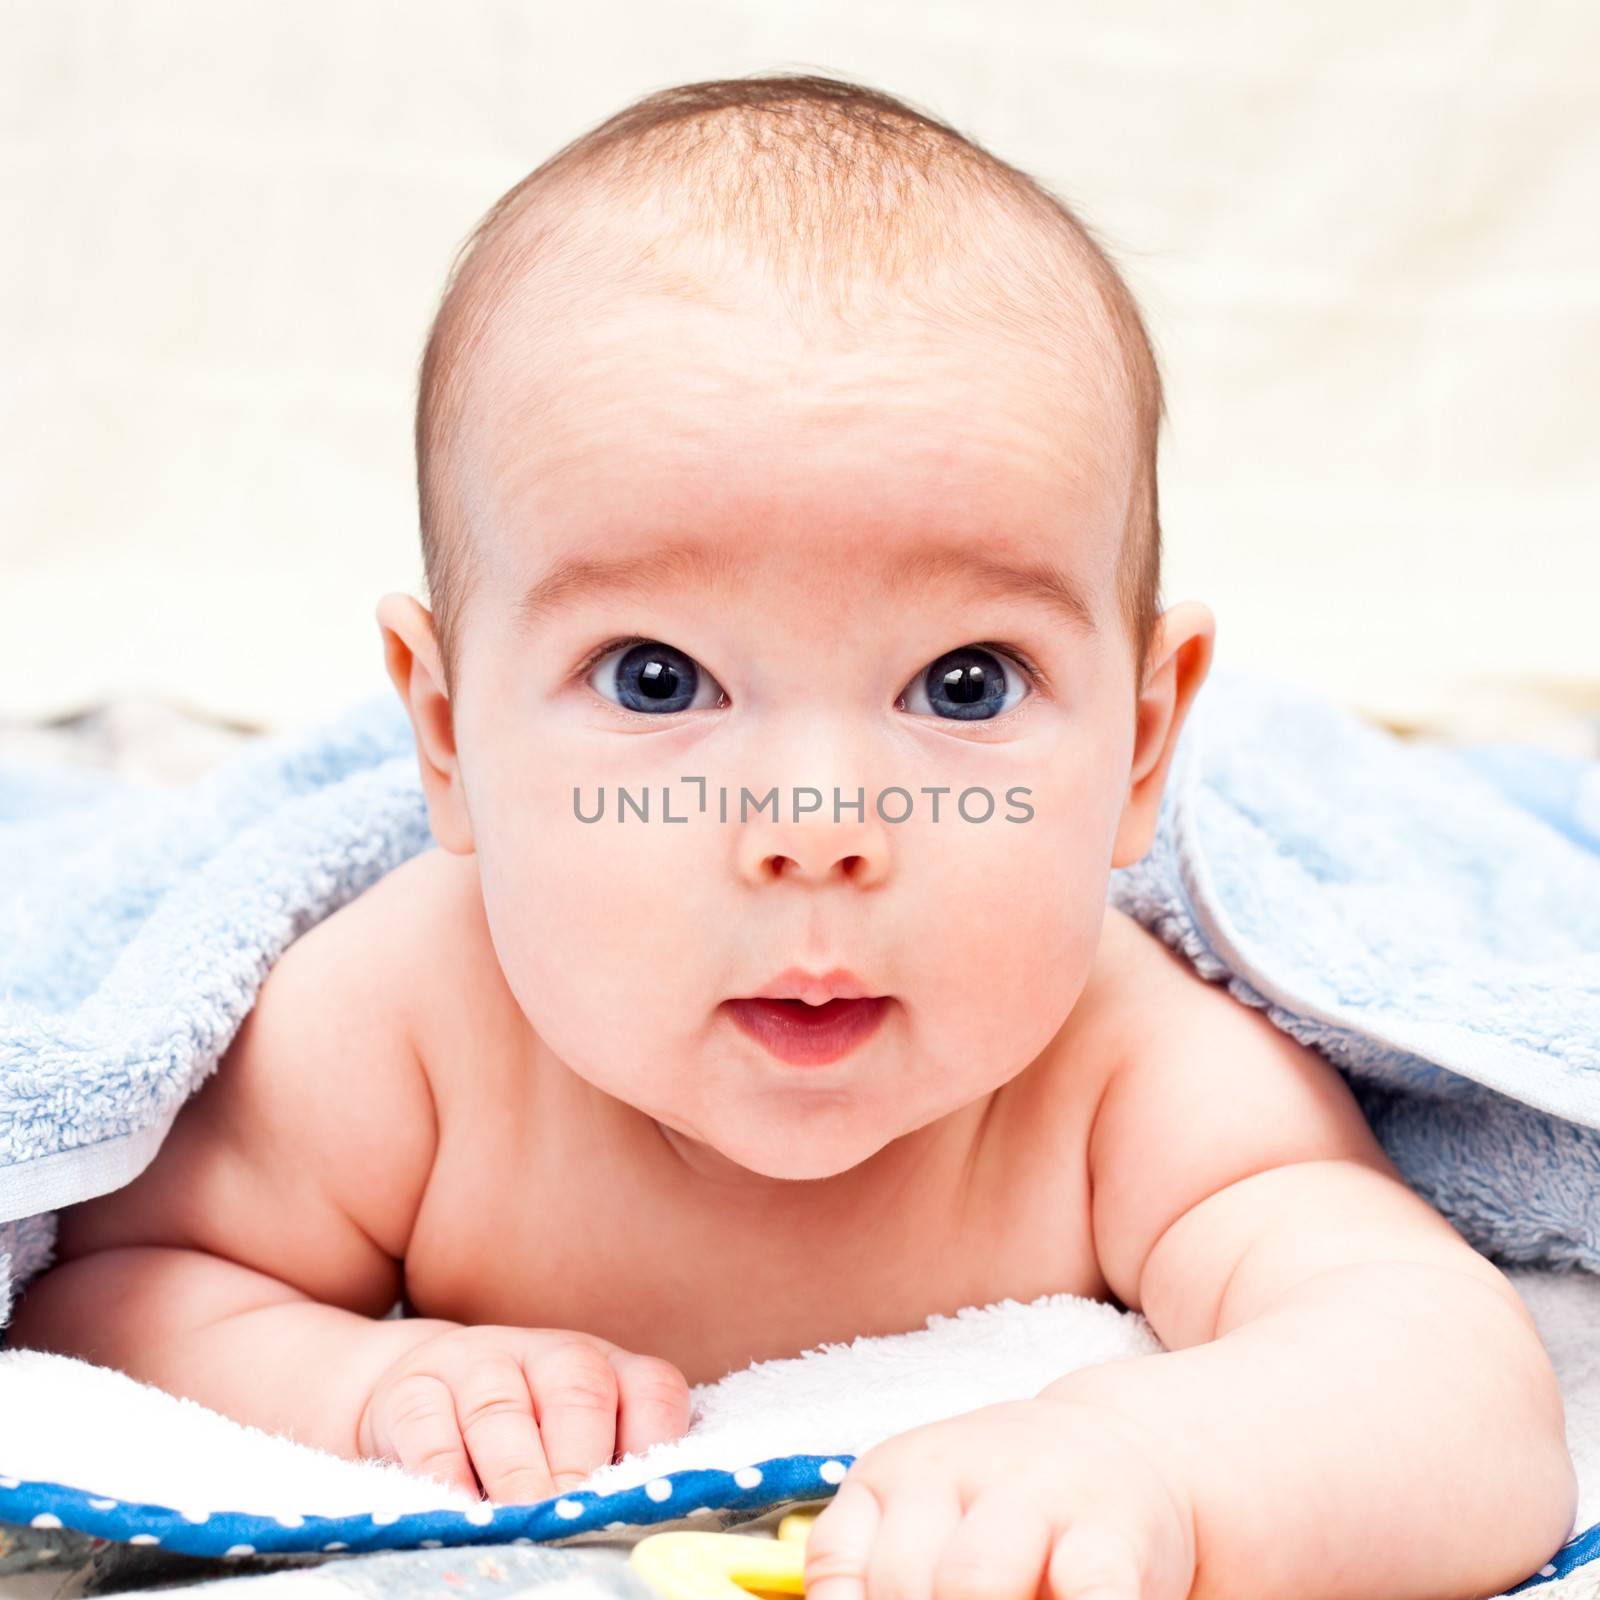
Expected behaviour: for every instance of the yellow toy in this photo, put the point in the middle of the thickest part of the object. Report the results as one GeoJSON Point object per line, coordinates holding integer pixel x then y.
{"type": "Point", "coordinates": [725, 1566]}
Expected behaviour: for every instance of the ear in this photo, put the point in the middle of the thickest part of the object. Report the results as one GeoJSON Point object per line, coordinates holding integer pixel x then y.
{"type": "Point", "coordinates": [411, 653]}
{"type": "Point", "coordinates": [1185, 639]}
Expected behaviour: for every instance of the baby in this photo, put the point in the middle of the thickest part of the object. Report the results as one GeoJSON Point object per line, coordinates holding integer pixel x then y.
{"type": "Point", "coordinates": [794, 680]}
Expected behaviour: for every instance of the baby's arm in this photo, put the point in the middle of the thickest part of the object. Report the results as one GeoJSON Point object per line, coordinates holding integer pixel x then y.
{"type": "Point", "coordinates": [250, 1265]}
{"type": "Point", "coordinates": [1353, 1404]}
{"type": "Point", "coordinates": [1356, 1403]}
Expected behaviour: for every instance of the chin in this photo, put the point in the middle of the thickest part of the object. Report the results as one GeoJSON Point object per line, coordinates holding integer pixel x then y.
{"type": "Point", "coordinates": [783, 1155]}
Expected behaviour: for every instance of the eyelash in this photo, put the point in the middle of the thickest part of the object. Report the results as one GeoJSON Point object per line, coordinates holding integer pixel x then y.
{"type": "Point", "coordinates": [1030, 668]}
{"type": "Point", "coordinates": [584, 667]}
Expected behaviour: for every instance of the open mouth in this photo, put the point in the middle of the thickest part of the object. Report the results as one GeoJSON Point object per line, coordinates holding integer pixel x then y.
{"type": "Point", "coordinates": [805, 1035]}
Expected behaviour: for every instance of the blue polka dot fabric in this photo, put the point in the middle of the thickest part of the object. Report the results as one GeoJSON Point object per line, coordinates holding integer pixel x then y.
{"type": "Point", "coordinates": [747, 1490]}
{"type": "Point", "coordinates": [712, 1492]}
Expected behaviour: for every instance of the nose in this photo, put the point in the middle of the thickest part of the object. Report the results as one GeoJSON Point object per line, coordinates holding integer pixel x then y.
{"type": "Point", "coordinates": [816, 846]}
{"type": "Point", "coordinates": [812, 815]}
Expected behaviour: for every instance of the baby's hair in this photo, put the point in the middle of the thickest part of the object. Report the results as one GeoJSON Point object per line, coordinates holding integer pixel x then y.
{"type": "Point", "coordinates": [837, 188]}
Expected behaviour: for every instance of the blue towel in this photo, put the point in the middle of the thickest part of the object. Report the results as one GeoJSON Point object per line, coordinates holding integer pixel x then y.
{"type": "Point", "coordinates": [1428, 919]}
{"type": "Point", "coordinates": [137, 924]}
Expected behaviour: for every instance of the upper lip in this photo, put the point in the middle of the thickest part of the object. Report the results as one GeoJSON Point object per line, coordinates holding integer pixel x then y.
{"type": "Point", "coordinates": [815, 988]}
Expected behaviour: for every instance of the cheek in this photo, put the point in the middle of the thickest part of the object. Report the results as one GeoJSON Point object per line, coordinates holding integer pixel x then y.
{"type": "Point", "coordinates": [1007, 919]}
{"type": "Point", "coordinates": [1010, 914]}
{"type": "Point", "coordinates": [595, 926]}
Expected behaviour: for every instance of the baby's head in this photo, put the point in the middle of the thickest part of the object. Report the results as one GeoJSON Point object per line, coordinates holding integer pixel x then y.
{"type": "Point", "coordinates": [774, 436]}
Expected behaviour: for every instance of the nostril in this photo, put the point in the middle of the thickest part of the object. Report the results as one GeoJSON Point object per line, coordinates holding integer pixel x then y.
{"type": "Point", "coordinates": [851, 866]}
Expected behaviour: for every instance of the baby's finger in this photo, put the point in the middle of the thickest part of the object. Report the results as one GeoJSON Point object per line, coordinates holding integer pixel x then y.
{"type": "Point", "coordinates": [414, 1423]}
{"type": "Point", "coordinates": [1090, 1563]}
{"type": "Point", "coordinates": [575, 1394]}
{"type": "Point", "coordinates": [495, 1412]}
{"type": "Point", "coordinates": [998, 1550]}
{"type": "Point", "coordinates": [839, 1544]}
{"type": "Point", "coordinates": [652, 1401]}
{"type": "Point", "coordinates": [917, 1519]}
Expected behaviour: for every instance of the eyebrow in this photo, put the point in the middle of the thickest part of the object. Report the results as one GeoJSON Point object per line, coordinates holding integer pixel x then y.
{"type": "Point", "coordinates": [579, 578]}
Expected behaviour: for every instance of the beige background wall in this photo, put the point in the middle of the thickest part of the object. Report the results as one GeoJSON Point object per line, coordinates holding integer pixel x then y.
{"type": "Point", "coordinates": [1367, 238]}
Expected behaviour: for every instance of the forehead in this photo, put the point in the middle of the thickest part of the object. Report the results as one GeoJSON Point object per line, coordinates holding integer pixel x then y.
{"type": "Point", "coordinates": [649, 416]}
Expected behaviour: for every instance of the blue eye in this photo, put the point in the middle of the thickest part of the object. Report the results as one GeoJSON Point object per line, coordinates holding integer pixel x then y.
{"type": "Point", "coordinates": [646, 675]}
{"type": "Point", "coordinates": [971, 684]}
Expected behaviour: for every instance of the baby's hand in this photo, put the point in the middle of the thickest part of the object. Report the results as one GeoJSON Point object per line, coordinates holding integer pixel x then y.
{"type": "Point", "coordinates": [533, 1410]}
{"type": "Point", "coordinates": [1029, 1498]}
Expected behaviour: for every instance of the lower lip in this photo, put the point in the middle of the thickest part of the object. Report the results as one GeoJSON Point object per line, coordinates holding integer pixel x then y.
{"type": "Point", "coordinates": [809, 1036]}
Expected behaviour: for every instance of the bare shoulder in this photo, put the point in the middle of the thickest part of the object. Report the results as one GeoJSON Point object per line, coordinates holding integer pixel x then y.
{"type": "Point", "coordinates": [306, 1153]}
{"type": "Point", "coordinates": [1196, 1040]}
{"type": "Point", "coordinates": [1154, 999]}
{"type": "Point", "coordinates": [1203, 1091]}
